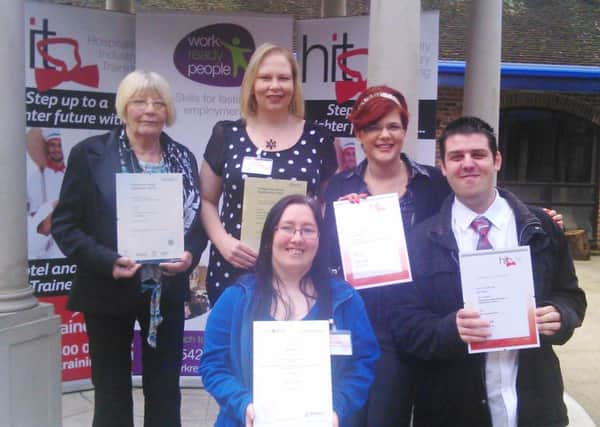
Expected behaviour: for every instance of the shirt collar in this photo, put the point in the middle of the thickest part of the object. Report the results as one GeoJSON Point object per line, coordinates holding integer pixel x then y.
{"type": "Point", "coordinates": [498, 213]}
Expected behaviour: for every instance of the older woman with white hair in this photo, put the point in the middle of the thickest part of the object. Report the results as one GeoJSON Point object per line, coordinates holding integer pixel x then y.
{"type": "Point", "coordinates": [111, 290]}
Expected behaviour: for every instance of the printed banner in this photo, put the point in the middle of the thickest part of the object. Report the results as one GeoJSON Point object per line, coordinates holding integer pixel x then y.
{"type": "Point", "coordinates": [204, 58]}
{"type": "Point", "coordinates": [74, 60]}
{"type": "Point", "coordinates": [332, 54]}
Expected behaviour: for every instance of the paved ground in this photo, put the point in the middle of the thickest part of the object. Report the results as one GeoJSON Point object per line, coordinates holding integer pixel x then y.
{"type": "Point", "coordinates": [580, 357]}
{"type": "Point", "coordinates": [580, 360]}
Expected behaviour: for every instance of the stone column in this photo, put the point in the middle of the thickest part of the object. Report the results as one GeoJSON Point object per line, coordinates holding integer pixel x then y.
{"type": "Point", "coordinates": [331, 8]}
{"type": "Point", "coordinates": [394, 55]}
{"type": "Point", "coordinates": [125, 6]}
{"type": "Point", "coordinates": [482, 74]}
{"type": "Point", "coordinates": [30, 390]}
{"type": "Point", "coordinates": [15, 292]}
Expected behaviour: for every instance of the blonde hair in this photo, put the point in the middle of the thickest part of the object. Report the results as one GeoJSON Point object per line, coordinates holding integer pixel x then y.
{"type": "Point", "coordinates": [247, 99]}
{"type": "Point", "coordinates": [139, 81]}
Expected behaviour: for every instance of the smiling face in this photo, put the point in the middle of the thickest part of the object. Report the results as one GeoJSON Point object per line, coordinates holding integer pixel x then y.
{"type": "Point", "coordinates": [146, 114]}
{"type": "Point", "coordinates": [383, 141]}
{"type": "Point", "coordinates": [295, 241]}
{"type": "Point", "coordinates": [274, 85]}
{"type": "Point", "coordinates": [54, 150]}
{"type": "Point", "coordinates": [471, 169]}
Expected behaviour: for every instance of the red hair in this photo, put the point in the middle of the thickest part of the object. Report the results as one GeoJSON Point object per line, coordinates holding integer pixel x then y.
{"type": "Point", "coordinates": [376, 102]}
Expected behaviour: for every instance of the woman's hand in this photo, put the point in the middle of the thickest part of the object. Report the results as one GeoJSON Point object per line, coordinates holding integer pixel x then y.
{"type": "Point", "coordinates": [335, 419]}
{"type": "Point", "coordinates": [250, 415]}
{"type": "Point", "coordinates": [354, 197]}
{"type": "Point", "coordinates": [237, 253]}
{"type": "Point", "coordinates": [556, 217]}
{"type": "Point", "coordinates": [172, 268]}
{"type": "Point", "coordinates": [124, 268]}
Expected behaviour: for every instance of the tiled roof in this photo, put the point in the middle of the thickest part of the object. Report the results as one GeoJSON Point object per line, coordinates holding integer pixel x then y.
{"type": "Point", "coordinates": [534, 31]}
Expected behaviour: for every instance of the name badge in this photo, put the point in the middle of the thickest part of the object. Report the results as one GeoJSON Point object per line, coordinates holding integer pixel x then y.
{"type": "Point", "coordinates": [340, 342]}
{"type": "Point", "coordinates": [257, 165]}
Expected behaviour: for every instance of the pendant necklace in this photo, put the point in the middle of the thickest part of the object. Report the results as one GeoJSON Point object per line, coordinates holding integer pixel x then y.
{"type": "Point", "coordinates": [270, 144]}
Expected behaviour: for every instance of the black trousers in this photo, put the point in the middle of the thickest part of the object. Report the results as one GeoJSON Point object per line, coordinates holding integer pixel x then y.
{"type": "Point", "coordinates": [391, 394]}
{"type": "Point", "coordinates": [110, 340]}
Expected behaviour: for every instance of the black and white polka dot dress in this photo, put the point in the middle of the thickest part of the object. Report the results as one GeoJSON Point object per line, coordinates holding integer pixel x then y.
{"type": "Point", "coordinates": [311, 159]}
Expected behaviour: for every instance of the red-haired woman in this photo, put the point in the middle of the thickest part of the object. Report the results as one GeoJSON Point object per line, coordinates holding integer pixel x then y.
{"type": "Point", "coordinates": [380, 118]}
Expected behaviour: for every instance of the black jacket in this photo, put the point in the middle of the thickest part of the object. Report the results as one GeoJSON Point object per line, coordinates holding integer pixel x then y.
{"type": "Point", "coordinates": [429, 189]}
{"type": "Point", "coordinates": [451, 387]}
{"type": "Point", "coordinates": [84, 225]}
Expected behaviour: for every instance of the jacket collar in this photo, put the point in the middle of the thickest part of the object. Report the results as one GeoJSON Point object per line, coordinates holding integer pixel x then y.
{"type": "Point", "coordinates": [528, 225]}
{"type": "Point", "coordinates": [340, 291]}
{"type": "Point", "coordinates": [414, 168]}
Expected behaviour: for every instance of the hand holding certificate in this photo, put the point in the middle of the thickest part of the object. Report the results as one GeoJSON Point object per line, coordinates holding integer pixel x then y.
{"type": "Point", "coordinates": [292, 374]}
{"type": "Point", "coordinates": [499, 285]}
{"type": "Point", "coordinates": [150, 216]}
{"type": "Point", "coordinates": [372, 241]}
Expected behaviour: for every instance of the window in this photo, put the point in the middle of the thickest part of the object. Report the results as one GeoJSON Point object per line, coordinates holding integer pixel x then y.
{"type": "Point", "coordinates": [550, 158]}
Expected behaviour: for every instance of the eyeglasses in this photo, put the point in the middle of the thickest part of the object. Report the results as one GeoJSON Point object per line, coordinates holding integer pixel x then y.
{"type": "Point", "coordinates": [392, 128]}
{"type": "Point", "coordinates": [142, 104]}
{"type": "Point", "coordinates": [308, 233]}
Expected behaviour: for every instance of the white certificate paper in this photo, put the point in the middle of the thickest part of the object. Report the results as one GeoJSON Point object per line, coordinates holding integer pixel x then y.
{"type": "Point", "coordinates": [372, 241]}
{"type": "Point", "coordinates": [292, 374]}
{"type": "Point", "coordinates": [499, 284]}
{"type": "Point", "coordinates": [150, 216]}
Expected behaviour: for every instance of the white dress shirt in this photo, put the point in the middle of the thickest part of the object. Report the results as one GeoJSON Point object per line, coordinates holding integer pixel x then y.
{"type": "Point", "coordinates": [501, 366]}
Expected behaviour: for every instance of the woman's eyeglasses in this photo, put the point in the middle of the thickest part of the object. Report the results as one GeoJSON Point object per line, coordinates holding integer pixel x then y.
{"type": "Point", "coordinates": [305, 232]}
{"type": "Point", "coordinates": [142, 104]}
{"type": "Point", "coordinates": [392, 128]}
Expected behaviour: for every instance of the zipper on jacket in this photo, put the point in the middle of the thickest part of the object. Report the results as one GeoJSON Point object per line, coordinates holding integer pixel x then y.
{"type": "Point", "coordinates": [337, 304]}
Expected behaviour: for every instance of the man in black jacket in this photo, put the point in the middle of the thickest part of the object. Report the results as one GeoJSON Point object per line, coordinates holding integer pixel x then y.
{"type": "Point", "coordinates": [505, 388]}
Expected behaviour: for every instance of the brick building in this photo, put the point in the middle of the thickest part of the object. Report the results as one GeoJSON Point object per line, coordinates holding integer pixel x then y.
{"type": "Point", "coordinates": [550, 99]}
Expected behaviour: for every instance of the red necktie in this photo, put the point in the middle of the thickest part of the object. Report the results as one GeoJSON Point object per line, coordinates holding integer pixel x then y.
{"type": "Point", "coordinates": [482, 225]}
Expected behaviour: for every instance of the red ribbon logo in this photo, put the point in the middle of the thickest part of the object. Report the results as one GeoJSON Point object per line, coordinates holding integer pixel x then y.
{"type": "Point", "coordinates": [47, 79]}
{"type": "Point", "coordinates": [346, 89]}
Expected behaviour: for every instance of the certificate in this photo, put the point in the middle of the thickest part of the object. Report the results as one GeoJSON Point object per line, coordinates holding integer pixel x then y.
{"type": "Point", "coordinates": [372, 241]}
{"type": "Point", "coordinates": [150, 216]}
{"type": "Point", "coordinates": [499, 284]}
{"type": "Point", "coordinates": [292, 374]}
{"type": "Point", "coordinates": [260, 194]}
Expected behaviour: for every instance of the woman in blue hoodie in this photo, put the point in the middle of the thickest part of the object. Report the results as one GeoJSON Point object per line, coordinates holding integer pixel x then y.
{"type": "Point", "coordinates": [291, 282]}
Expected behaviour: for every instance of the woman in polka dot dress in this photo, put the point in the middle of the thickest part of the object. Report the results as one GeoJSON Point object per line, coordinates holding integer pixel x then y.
{"type": "Point", "coordinates": [271, 141]}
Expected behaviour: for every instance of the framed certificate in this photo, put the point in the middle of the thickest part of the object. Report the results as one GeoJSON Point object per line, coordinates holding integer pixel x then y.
{"type": "Point", "coordinates": [372, 241]}
{"type": "Point", "coordinates": [260, 194]}
{"type": "Point", "coordinates": [150, 216]}
{"type": "Point", "coordinates": [292, 374]}
{"type": "Point", "coordinates": [499, 284]}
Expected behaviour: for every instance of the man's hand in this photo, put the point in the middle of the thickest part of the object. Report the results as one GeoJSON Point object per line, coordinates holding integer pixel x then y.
{"type": "Point", "coordinates": [471, 327]}
{"type": "Point", "coordinates": [124, 268]}
{"type": "Point", "coordinates": [547, 319]}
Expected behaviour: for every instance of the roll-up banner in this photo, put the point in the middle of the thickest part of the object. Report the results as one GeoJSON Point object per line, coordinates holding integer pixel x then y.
{"type": "Point", "coordinates": [332, 54]}
{"type": "Point", "coordinates": [74, 60]}
{"type": "Point", "coordinates": [204, 58]}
